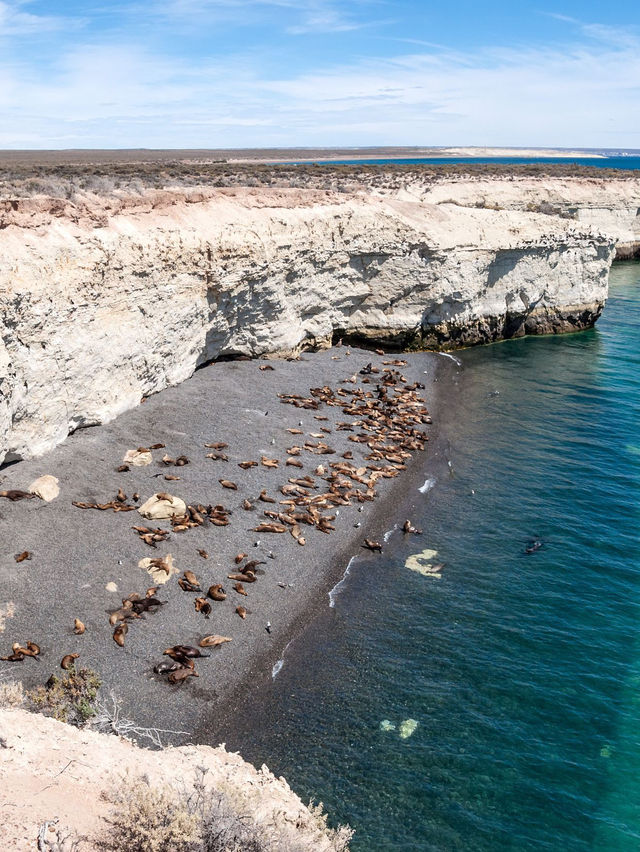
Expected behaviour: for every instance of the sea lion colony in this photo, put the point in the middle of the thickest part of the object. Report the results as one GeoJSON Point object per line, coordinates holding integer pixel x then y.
{"type": "Point", "coordinates": [386, 425]}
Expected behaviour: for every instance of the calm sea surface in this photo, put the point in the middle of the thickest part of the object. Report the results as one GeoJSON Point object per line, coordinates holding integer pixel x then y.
{"type": "Point", "coordinates": [521, 671]}
{"type": "Point", "coordinates": [600, 162]}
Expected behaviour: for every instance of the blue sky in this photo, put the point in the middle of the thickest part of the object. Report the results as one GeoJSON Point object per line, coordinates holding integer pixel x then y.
{"type": "Point", "coordinates": [257, 73]}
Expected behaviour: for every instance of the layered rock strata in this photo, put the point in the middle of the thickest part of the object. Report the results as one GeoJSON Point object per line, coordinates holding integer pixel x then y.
{"type": "Point", "coordinates": [106, 301]}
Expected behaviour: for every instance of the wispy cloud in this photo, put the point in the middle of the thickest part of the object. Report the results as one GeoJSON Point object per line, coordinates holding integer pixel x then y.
{"type": "Point", "coordinates": [15, 21]}
{"type": "Point", "coordinates": [119, 93]}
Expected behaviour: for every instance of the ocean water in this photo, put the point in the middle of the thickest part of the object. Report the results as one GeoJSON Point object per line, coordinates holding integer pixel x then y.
{"type": "Point", "coordinates": [600, 162]}
{"type": "Point", "coordinates": [522, 671]}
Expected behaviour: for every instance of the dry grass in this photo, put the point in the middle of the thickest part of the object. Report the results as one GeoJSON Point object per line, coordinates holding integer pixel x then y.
{"type": "Point", "coordinates": [73, 181]}
{"type": "Point", "coordinates": [198, 819]}
{"type": "Point", "coordinates": [11, 694]}
{"type": "Point", "coordinates": [70, 698]}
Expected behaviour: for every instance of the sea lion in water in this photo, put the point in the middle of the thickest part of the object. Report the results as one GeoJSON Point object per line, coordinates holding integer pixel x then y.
{"type": "Point", "coordinates": [217, 593]}
{"type": "Point", "coordinates": [533, 546]}
{"type": "Point", "coordinates": [68, 661]}
{"type": "Point", "coordinates": [408, 527]}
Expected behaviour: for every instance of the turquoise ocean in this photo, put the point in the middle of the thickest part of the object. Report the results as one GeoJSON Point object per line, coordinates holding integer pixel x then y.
{"type": "Point", "coordinates": [522, 671]}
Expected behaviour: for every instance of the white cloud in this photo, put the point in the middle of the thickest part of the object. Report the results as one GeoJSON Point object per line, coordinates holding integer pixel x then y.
{"type": "Point", "coordinates": [108, 95]}
{"type": "Point", "coordinates": [16, 22]}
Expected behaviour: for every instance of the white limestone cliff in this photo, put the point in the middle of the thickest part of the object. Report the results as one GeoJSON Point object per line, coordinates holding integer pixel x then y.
{"type": "Point", "coordinates": [107, 300]}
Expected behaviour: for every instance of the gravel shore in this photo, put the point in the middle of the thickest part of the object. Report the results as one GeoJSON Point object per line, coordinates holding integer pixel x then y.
{"type": "Point", "coordinates": [77, 553]}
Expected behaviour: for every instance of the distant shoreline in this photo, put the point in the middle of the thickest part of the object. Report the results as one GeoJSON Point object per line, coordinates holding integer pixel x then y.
{"type": "Point", "coordinates": [437, 154]}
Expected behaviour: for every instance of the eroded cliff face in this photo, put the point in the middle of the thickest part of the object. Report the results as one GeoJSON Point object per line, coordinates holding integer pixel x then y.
{"type": "Point", "coordinates": [104, 302]}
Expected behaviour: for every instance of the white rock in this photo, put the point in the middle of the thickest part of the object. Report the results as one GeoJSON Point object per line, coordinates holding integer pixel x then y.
{"type": "Point", "coordinates": [101, 305]}
{"type": "Point", "coordinates": [158, 509]}
{"type": "Point", "coordinates": [46, 487]}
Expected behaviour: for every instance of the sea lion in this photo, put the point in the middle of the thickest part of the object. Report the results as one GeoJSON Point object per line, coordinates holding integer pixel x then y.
{"type": "Point", "coordinates": [78, 627]}
{"type": "Point", "coordinates": [217, 593]}
{"type": "Point", "coordinates": [186, 586]}
{"type": "Point", "coordinates": [181, 675]}
{"type": "Point", "coordinates": [190, 577]}
{"type": "Point", "coordinates": [14, 494]}
{"type": "Point", "coordinates": [13, 657]}
{"type": "Point", "coordinates": [374, 546]}
{"type": "Point", "coordinates": [20, 557]}
{"type": "Point", "coordinates": [268, 527]}
{"type": "Point", "coordinates": [119, 633]}
{"type": "Point", "coordinates": [249, 566]}
{"type": "Point", "coordinates": [213, 641]}
{"type": "Point", "coordinates": [242, 611]}
{"type": "Point", "coordinates": [264, 367]}
{"type": "Point", "coordinates": [32, 650]}
{"type": "Point", "coordinates": [266, 462]}
{"type": "Point", "coordinates": [265, 497]}
{"type": "Point", "coordinates": [202, 605]}
{"type": "Point", "coordinates": [68, 661]}
{"type": "Point", "coordinates": [164, 667]}
{"type": "Point", "coordinates": [293, 463]}
{"type": "Point", "coordinates": [226, 483]}
{"type": "Point", "coordinates": [408, 527]}
{"type": "Point", "coordinates": [217, 445]}
{"type": "Point", "coordinates": [240, 589]}
{"type": "Point", "coordinates": [249, 577]}
{"type": "Point", "coordinates": [187, 651]}
{"type": "Point", "coordinates": [247, 505]}
{"type": "Point", "coordinates": [123, 468]}
{"type": "Point", "coordinates": [245, 465]}
{"type": "Point", "coordinates": [203, 553]}
{"type": "Point", "coordinates": [156, 446]}
{"type": "Point", "coordinates": [181, 461]}
{"type": "Point", "coordinates": [239, 557]}
{"type": "Point", "coordinates": [169, 477]}
{"type": "Point", "coordinates": [533, 546]}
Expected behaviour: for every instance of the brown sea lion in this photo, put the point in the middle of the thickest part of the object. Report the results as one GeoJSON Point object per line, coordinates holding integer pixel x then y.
{"type": "Point", "coordinates": [374, 546]}
{"type": "Point", "coordinates": [187, 651]}
{"type": "Point", "coordinates": [242, 611]}
{"type": "Point", "coordinates": [217, 593]}
{"type": "Point", "coordinates": [20, 557]}
{"type": "Point", "coordinates": [119, 633]}
{"type": "Point", "coordinates": [213, 641]}
{"type": "Point", "coordinates": [181, 675]}
{"type": "Point", "coordinates": [202, 605]}
{"type": "Point", "coordinates": [68, 661]}
{"type": "Point", "coordinates": [226, 483]}
{"type": "Point", "coordinates": [204, 554]}
{"type": "Point", "coordinates": [78, 627]}
{"type": "Point", "coordinates": [14, 494]}
{"type": "Point", "coordinates": [240, 589]}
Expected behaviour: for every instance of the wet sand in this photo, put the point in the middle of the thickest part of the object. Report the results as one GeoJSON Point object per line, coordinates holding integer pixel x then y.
{"type": "Point", "coordinates": [76, 553]}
